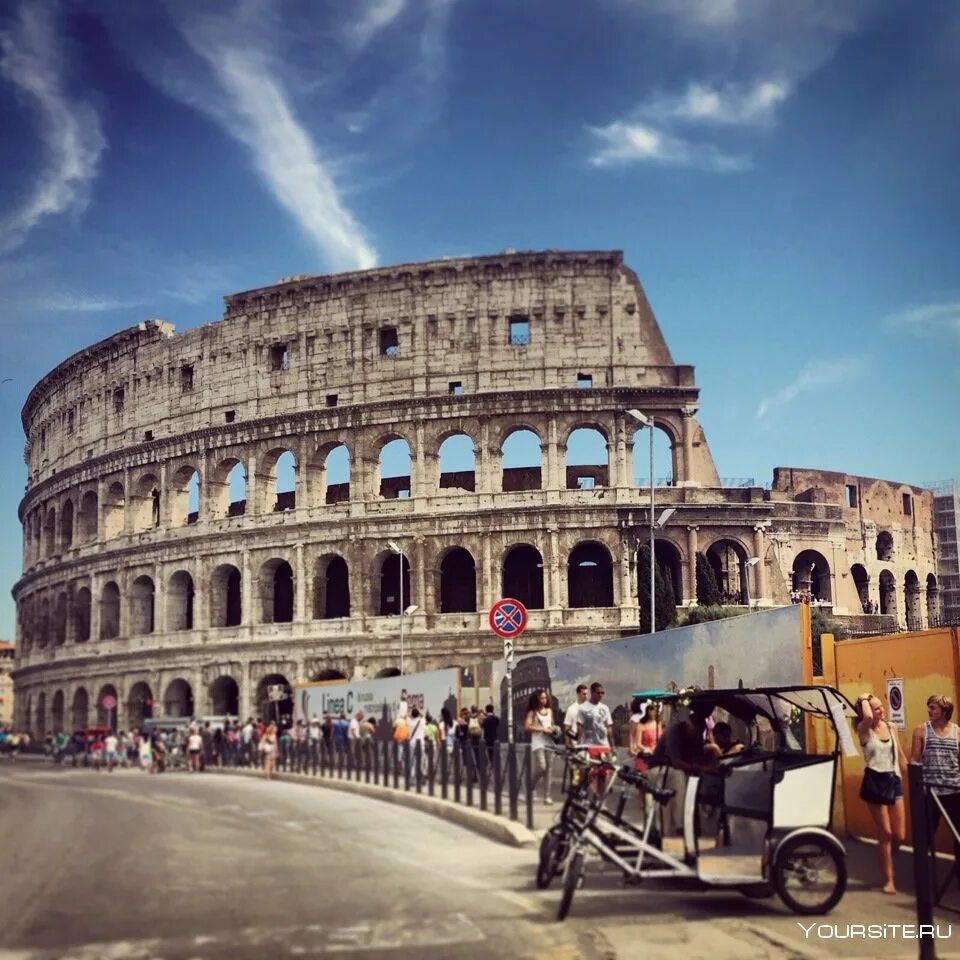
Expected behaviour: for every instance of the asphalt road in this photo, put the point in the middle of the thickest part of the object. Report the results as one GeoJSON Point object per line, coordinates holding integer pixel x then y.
{"type": "Point", "coordinates": [128, 866]}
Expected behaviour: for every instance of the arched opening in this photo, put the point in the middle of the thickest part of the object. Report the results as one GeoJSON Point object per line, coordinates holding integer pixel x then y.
{"type": "Point", "coordinates": [66, 525]}
{"type": "Point", "coordinates": [590, 576]}
{"type": "Point", "coordinates": [331, 466]}
{"type": "Point", "coordinates": [911, 596]}
{"type": "Point", "coordinates": [521, 462]}
{"type": "Point", "coordinates": [276, 592]}
{"type": "Point", "coordinates": [670, 565]}
{"type": "Point", "coordinates": [523, 576]}
{"type": "Point", "coordinates": [110, 611]}
{"type": "Point", "coordinates": [888, 593]}
{"type": "Point", "coordinates": [388, 672]}
{"type": "Point", "coordinates": [57, 711]}
{"type": "Point", "coordinates": [458, 582]}
{"type": "Point", "coordinates": [60, 620]}
{"type": "Point", "coordinates": [396, 474]}
{"type": "Point", "coordinates": [933, 601]}
{"type": "Point", "coordinates": [185, 493]}
{"type": "Point", "coordinates": [139, 705]}
{"type": "Point", "coordinates": [275, 700]}
{"type": "Point", "coordinates": [861, 580]}
{"type": "Point", "coordinates": [50, 533]}
{"type": "Point", "coordinates": [664, 457]}
{"type": "Point", "coordinates": [180, 595]}
{"type": "Point", "coordinates": [331, 588]}
{"type": "Point", "coordinates": [728, 560]}
{"type": "Point", "coordinates": [107, 706]}
{"type": "Point", "coordinates": [225, 697]}
{"type": "Point", "coordinates": [146, 503]}
{"type": "Point", "coordinates": [457, 463]}
{"type": "Point", "coordinates": [43, 620]}
{"type": "Point", "coordinates": [89, 507]}
{"type": "Point", "coordinates": [142, 607]}
{"type": "Point", "coordinates": [40, 725]}
{"type": "Point", "coordinates": [327, 675]}
{"type": "Point", "coordinates": [391, 570]}
{"type": "Point", "coordinates": [237, 491]}
{"type": "Point", "coordinates": [228, 489]}
{"type": "Point", "coordinates": [884, 546]}
{"type": "Point", "coordinates": [277, 480]}
{"type": "Point", "coordinates": [586, 461]}
{"type": "Point", "coordinates": [81, 616]}
{"type": "Point", "coordinates": [225, 602]}
{"type": "Point", "coordinates": [811, 572]}
{"type": "Point", "coordinates": [178, 700]}
{"type": "Point", "coordinates": [113, 507]}
{"type": "Point", "coordinates": [80, 709]}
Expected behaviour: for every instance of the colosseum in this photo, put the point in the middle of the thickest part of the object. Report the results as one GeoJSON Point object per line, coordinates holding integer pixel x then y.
{"type": "Point", "coordinates": [339, 477]}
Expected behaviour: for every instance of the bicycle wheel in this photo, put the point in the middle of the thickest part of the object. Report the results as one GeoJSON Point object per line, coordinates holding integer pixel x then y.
{"type": "Point", "coordinates": [570, 883]}
{"type": "Point", "coordinates": [810, 874]}
{"type": "Point", "coordinates": [553, 848]}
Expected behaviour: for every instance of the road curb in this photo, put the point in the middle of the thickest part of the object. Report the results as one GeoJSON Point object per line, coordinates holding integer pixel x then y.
{"type": "Point", "coordinates": [496, 828]}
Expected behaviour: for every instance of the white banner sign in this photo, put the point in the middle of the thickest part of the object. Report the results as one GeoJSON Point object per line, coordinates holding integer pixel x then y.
{"type": "Point", "coordinates": [896, 708]}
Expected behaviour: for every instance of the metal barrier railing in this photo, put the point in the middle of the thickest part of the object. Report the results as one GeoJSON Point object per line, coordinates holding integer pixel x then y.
{"type": "Point", "coordinates": [497, 778]}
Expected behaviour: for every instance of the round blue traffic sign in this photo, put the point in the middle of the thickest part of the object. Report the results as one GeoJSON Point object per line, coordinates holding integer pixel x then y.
{"type": "Point", "coordinates": [508, 618]}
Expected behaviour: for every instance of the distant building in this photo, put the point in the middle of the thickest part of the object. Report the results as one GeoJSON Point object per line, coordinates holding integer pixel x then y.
{"type": "Point", "coordinates": [946, 527]}
{"type": "Point", "coordinates": [7, 651]}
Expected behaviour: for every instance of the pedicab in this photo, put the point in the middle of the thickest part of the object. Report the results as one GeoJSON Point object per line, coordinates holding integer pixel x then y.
{"type": "Point", "coordinates": [756, 821]}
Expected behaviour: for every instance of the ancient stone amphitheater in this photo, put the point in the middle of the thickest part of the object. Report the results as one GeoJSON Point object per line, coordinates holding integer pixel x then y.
{"type": "Point", "coordinates": [341, 476]}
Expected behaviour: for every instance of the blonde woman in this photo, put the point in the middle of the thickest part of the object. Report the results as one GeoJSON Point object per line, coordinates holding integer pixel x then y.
{"type": "Point", "coordinates": [268, 750]}
{"type": "Point", "coordinates": [882, 788]}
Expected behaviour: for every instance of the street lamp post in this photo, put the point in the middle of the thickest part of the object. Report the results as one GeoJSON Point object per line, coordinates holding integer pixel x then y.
{"type": "Point", "coordinates": [751, 562]}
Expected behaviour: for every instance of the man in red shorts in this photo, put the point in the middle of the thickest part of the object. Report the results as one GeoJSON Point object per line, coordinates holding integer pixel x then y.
{"type": "Point", "coordinates": [595, 732]}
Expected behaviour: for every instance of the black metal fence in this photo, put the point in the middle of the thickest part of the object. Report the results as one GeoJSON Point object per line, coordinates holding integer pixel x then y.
{"type": "Point", "coordinates": [496, 779]}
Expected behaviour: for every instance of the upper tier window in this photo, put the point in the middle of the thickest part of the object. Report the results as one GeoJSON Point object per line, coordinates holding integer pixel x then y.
{"type": "Point", "coordinates": [389, 342]}
{"type": "Point", "coordinates": [279, 357]}
{"type": "Point", "coordinates": [519, 331]}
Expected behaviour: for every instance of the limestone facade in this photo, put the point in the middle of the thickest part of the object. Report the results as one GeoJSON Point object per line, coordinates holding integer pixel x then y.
{"type": "Point", "coordinates": [165, 565]}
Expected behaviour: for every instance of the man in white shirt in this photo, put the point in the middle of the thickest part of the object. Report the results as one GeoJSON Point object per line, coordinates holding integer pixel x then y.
{"type": "Point", "coordinates": [110, 751]}
{"type": "Point", "coordinates": [572, 717]}
{"type": "Point", "coordinates": [595, 732]}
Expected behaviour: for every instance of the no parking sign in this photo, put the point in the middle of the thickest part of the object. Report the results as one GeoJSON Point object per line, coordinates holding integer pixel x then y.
{"type": "Point", "coordinates": [897, 714]}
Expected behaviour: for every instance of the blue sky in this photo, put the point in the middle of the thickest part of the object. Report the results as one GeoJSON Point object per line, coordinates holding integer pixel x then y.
{"type": "Point", "coordinates": [782, 176]}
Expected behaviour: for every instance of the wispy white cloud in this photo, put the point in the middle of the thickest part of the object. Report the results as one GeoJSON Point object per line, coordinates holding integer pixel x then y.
{"type": "Point", "coordinates": [374, 17]}
{"type": "Point", "coordinates": [31, 59]}
{"type": "Point", "coordinates": [930, 320]}
{"type": "Point", "coordinates": [84, 303]}
{"type": "Point", "coordinates": [814, 376]}
{"type": "Point", "coordinates": [622, 143]}
{"type": "Point", "coordinates": [732, 104]}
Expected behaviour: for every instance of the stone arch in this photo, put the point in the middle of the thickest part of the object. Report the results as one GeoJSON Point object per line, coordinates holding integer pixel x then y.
{"type": "Point", "coordinates": [457, 587]}
{"type": "Point", "coordinates": [861, 581]}
{"type": "Point", "coordinates": [43, 620]}
{"type": "Point", "coordinates": [50, 532]}
{"type": "Point", "coordinates": [88, 516]}
{"type": "Point", "coordinates": [142, 604]}
{"type": "Point", "coordinates": [225, 697]}
{"type": "Point", "coordinates": [276, 591]}
{"type": "Point", "coordinates": [274, 711]}
{"type": "Point", "coordinates": [330, 473]}
{"type": "Point", "coordinates": [80, 709]}
{"type": "Point", "coordinates": [387, 672]}
{"type": "Point", "coordinates": [139, 705]}
{"type": "Point", "coordinates": [388, 601]}
{"type": "Point", "coordinates": [586, 458]}
{"type": "Point", "coordinates": [670, 563]}
{"type": "Point", "coordinates": [728, 559]}
{"type": "Point", "coordinates": [457, 462]}
{"type": "Point", "coordinates": [521, 460]}
{"type": "Point", "coordinates": [277, 479]}
{"type": "Point", "coordinates": [933, 601]}
{"type": "Point", "coordinates": [812, 572]}
{"type": "Point", "coordinates": [180, 600]}
{"type": "Point", "coordinates": [523, 575]}
{"type": "Point", "coordinates": [327, 675]}
{"type": "Point", "coordinates": [66, 525]}
{"type": "Point", "coordinates": [145, 503]}
{"type": "Point", "coordinates": [107, 716]}
{"type": "Point", "coordinates": [590, 575]}
{"type": "Point", "coordinates": [888, 593]}
{"type": "Point", "coordinates": [911, 597]}
{"type": "Point", "coordinates": [40, 723]}
{"type": "Point", "coordinates": [81, 615]}
{"type": "Point", "coordinates": [185, 496]}
{"type": "Point", "coordinates": [109, 611]}
{"type": "Point", "coordinates": [395, 469]}
{"type": "Point", "coordinates": [57, 712]}
{"type": "Point", "coordinates": [666, 445]}
{"type": "Point", "coordinates": [114, 504]}
{"type": "Point", "coordinates": [178, 699]}
{"type": "Point", "coordinates": [60, 619]}
{"type": "Point", "coordinates": [331, 588]}
{"type": "Point", "coordinates": [228, 489]}
{"type": "Point", "coordinates": [885, 546]}
{"type": "Point", "coordinates": [225, 596]}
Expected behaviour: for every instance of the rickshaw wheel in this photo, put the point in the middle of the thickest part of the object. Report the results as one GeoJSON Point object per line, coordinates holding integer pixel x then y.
{"type": "Point", "coordinates": [570, 883]}
{"type": "Point", "coordinates": [552, 850]}
{"type": "Point", "coordinates": [797, 870]}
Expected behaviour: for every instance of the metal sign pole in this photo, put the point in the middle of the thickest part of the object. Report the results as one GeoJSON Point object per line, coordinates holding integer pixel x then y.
{"type": "Point", "coordinates": [509, 702]}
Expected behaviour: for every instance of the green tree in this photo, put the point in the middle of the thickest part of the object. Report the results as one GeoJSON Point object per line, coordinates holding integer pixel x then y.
{"type": "Point", "coordinates": [666, 601]}
{"type": "Point", "coordinates": [713, 612]}
{"type": "Point", "coordinates": [663, 591]}
{"type": "Point", "coordinates": [708, 593]}
{"type": "Point", "coordinates": [821, 623]}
